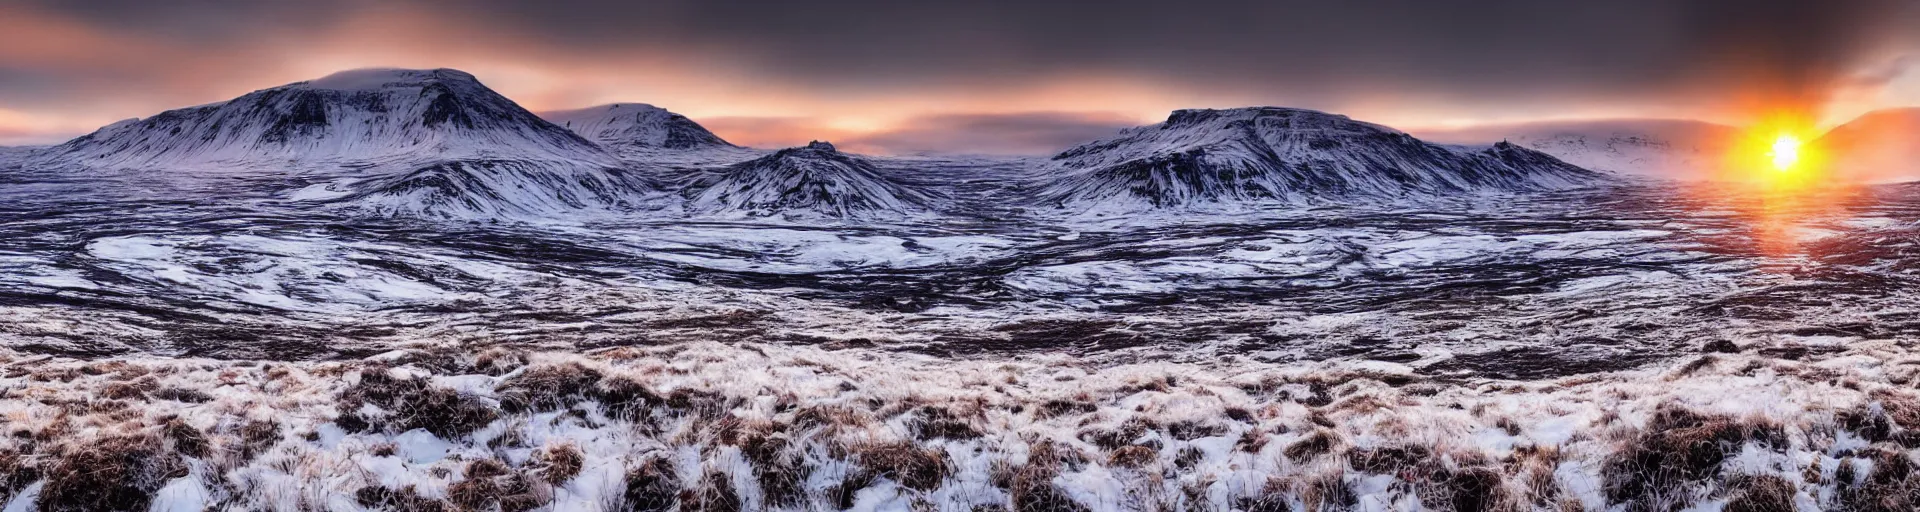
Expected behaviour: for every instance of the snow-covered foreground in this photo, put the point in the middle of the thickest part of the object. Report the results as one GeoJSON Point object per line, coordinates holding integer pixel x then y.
{"type": "Point", "coordinates": [709, 426]}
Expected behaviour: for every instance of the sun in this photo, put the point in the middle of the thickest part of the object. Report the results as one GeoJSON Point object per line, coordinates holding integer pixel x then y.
{"type": "Point", "coordinates": [1785, 152]}
{"type": "Point", "coordinates": [1779, 153]}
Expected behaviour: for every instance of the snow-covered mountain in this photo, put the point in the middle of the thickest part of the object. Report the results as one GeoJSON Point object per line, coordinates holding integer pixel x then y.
{"type": "Point", "coordinates": [1288, 155]}
{"type": "Point", "coordinates": [1670, 148]}
{"type": "Point", "coordinates": [1882, 146]}
{"type": "Point", "coordinates": [812, 180]}
{"type": "Point", "coordinates": [636, 125]}
{"type": "Point", "coordinates": [427, 142]}
{"type": "Point", "coordinates": [368, 115]}
{"type": "Point", "coordinates": [646, 136]}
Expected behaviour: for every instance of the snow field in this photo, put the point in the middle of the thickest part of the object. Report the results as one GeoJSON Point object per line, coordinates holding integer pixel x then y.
{"type": "Point", "coordinates": [758, 427]}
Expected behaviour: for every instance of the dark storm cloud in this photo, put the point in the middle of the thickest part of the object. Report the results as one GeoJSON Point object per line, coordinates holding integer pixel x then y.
{"type": "Point", "coordinates": [1027, 133]}
{"type": "Point", "coordinates": [873, 62]}
{"type": "Point", "coordinates": [1312, 50]}
{"type": "Point", "coordinates": [208, 21]}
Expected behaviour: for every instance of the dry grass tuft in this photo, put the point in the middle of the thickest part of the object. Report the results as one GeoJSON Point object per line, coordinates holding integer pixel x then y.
{"type": "Point", "coordinates": [548, 387]}
{"type": "Point", "coordinates": [1032, 490]}
{"type": "Point", "coordinates": [1056, 408]}
{"type": "Point", "coordinates": [1759, 493]}
{"type": "Point", "coordinates": [914, 467]}
{"type": "Point", "coordinates": [1891, 484]}
{"type": "Point", "coordinates": [1132, 457]}
{"type": "Point", "coordinates": [186, 439]}
{"type": "Point", "coordinates": [412, 403]}
{"type": "Point", "coordinates": [715, 494]}
{"type": "Point", "coordinates": [114, 473]}
{"type": "Point", "coordinates": [499, 361]}
{"type": "Point", "coordinates": [258, 436]}
{"type": "Point", "coordinates": [180, 394]}
{"type": "Point", "coordinates": [652, 486]}
{"type": "Point", "coordinates": [933, 422]}
{"type": "Point", "coordinates": [559, 463]}
{"type": "Point", "coordinates": [1678, 449]}
{"type": "Point", "coordinates": [403, 500]}
{"type": "Point", "coordinates": [490, 483]}
{"type": "Point", "coordinates": [17, 470]}
{"type": "Point", "coordinates": [1320, 442]}
{"type": "Point", "coordinates": [778, 464]}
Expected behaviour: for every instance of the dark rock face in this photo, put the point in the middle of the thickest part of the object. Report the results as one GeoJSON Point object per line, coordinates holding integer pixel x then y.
{"type": "Point", "coordinates": [1278, 154]}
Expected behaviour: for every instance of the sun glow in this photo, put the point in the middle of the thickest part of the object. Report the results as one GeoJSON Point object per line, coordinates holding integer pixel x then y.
{"type": "Point", "coordinates": [1782, 183]}
{"type": "Point", "coordinates": [1785, 153]}
{"type": "Point", "coordinates": [1778, 154]}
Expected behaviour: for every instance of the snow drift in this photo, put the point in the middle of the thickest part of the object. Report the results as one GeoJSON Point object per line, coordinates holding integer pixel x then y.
{"type": "Point", "coordinates": [815, 179]}
{"type": "Point", "coordinates": [711, 426]}
{"type": "Point", "coordinates": [1289, 155]}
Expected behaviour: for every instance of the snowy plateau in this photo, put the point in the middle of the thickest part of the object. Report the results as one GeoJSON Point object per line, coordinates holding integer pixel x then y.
{"type": "Point", "coordinates": [400, 290]}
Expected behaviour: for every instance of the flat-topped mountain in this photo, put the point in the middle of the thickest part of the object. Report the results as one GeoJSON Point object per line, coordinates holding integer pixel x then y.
{"type": "Point", "coordinates": [368, 115]}
{"type": "Point", "coordinates": [433, 143]}
{"type": "Point", "coordinates": [1270, 154]}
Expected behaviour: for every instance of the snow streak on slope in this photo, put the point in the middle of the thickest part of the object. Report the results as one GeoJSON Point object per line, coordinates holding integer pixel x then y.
{"type": "Point", "coordinates": [813, 180]}
{"type": "Point", "coordinates": [420, 142]}
{"type": "Point", "coordinates": [1652, 147]}
{"type": "Point", "coordinates": [1881, 146]}
{"type": "Point", "coordinates": [1288, 155]}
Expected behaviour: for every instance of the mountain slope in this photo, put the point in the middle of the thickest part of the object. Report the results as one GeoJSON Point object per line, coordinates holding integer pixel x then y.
{"type": "Point", "coordinates": [1673, 148]}
{"type": "Point", "coordinates": [812, 180]}
{"type": "Point", "coordinates": [1883, 145]}
{"type": "Point", "coordinates": [1288, 155]}
{"type": "Point", "coordinates": [12, 156]}
{"type": "Point", "coordinates": [381, 136]}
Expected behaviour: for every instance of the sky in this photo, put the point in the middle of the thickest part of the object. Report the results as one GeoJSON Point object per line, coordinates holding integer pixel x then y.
{"type": "Point", "coordinates": [1011, 77]}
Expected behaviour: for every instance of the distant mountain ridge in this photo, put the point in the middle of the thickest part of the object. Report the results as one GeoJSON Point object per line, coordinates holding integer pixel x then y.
{"type": "Point", "coordinates": [1670, 148]}
{"type": "Point", "coordinates": [1880, 146]}
{"type": "Point", "coordinates": [439, 144]}
{"type": "Point", "coordinates": [637, 125]}
{"type": "Point", "coordinates": [1271, 154]}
